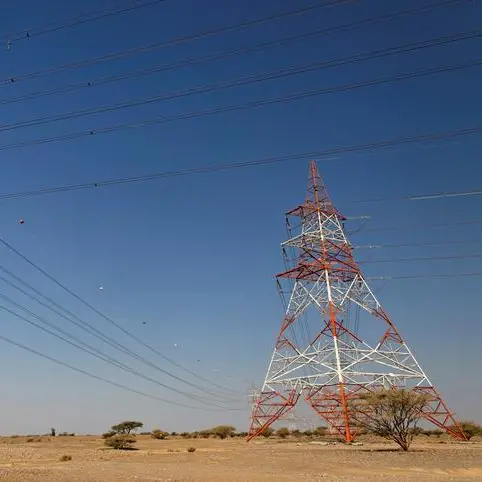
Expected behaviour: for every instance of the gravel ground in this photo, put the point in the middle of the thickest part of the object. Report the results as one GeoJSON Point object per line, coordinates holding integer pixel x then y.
{"type": "Point", "coordinates": [234, 460]}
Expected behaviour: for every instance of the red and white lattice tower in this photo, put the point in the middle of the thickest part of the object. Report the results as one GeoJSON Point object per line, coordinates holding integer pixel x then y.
{"type": "Point", "coordinates": [329, 359]}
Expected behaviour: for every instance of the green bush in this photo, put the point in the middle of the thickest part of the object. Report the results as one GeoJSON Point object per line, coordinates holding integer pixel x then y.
{"type": "Point", "coordinates": [267, 432]}
{"type": "Point", "coordinates": [120, 436]}
{"type": "Point", "coordinates": [470, 428]}
{"type": "Point", "coordinates": [125, 428]}
{"type": "Point", "coordinates": [222, 431]}
{"type": "Point", "coordinates": [283, 432]}
{"type": "Point", "coordinates": [320, 431]}
{"type": "Point", "coordinates": [159, 434]}
{"type": "Point", "coordinates": [120, 442]}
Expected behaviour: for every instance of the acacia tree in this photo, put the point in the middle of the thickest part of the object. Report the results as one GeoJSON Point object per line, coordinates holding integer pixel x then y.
{"type": "Point", "coordinates": [392, 414]}
{"type": "Point", "coordinates": [121, 436]}
{"type": "Point", "coordinates": [125, 428]}
{"type": "Point", "coordinates": [223, 431]}
{"type": "Point", "coordinates": [470, 428]}
{"type": "Point", "coordinates": [282, 432]}
{"type": "Point", "coordinates": [267, 432]}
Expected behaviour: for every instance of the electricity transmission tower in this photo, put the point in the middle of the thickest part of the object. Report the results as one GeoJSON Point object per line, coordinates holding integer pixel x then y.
{"type": "Point", "coordinates": [331, 358]}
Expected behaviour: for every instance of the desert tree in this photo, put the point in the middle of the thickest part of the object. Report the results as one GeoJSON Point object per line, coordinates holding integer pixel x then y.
{"type": "Point", "coordinates": [320, 431]}
{"type": "Point", "coordinates": [125, 428]}
{"type": "Point", "coordinates": [223, 431]}
{"type": "Point", "coordinates": [120, 441]}
{"type": "Point", "coordinates": [470, 429]}
{"type": "Point", "coordinates": [390, 413]}
{"type": "Point", "coordinates": [282, 432]}
{"type": "Point", "coordinates": [267, 432]}
{"type": "Point", "coordinates": [158, 434]}
{"type": "Point", "coordinates": [121, 436]}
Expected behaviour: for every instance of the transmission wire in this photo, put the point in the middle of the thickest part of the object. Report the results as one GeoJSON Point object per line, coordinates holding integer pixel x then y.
{"type": "Point", "coordinates": [112, 322]}
{"type": "Point", "coordinates": [91, 375]}
{"type": "Point", "coordinates": [111, 360]}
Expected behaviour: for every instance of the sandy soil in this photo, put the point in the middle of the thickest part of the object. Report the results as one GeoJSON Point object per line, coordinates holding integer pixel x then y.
{"type": "Point", "coordinates": [234, 460]}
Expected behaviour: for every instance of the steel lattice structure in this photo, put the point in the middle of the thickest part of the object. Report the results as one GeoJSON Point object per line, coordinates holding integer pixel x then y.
{"type": "Point", "coordinates": [334, 363]}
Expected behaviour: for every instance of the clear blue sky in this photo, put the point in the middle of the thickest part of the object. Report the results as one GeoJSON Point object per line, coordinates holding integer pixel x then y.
{"type": "Point", "coordinates": [194, 257]}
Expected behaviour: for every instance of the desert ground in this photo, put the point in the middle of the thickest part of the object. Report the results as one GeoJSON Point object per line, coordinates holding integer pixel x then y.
{"type": "Point", "coordinates": [38, 458]}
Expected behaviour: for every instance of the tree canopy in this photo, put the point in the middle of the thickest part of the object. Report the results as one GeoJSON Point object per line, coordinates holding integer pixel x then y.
{"type": "Point", "coordinates": [125, 428]}
{"type": "Point", "coordinates": [390, 413]}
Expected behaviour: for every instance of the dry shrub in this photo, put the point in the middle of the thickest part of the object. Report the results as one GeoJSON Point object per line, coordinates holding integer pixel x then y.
{"type": "Point", "coordinates": [65, 458]}
{"type": "Point", "coordinates": [159, 434]}
{"type": "Point", "coordinates": [120, 442]}
{"type": "Point", "coordinates": [191, 449]}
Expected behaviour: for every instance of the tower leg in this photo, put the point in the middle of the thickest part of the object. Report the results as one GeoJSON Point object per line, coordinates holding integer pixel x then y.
{"type": "Point", "coordinates": [270, 406]}
{"type": "Point", "coordinates": [439, 414]}
{"type": "Point", "coordinates": [332, 404]}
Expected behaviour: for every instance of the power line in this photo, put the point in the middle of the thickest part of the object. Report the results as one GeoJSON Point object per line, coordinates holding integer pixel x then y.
{"type": "Point", "coordinates": [423, 226]}
{"type": "Point", "coordinates": [426, 276]}
{"type": "Point", "coordinates": [88, 348]}
{"type": "Point", "coordinates": [406, 245]}
{"type": "Point", "coordinates": [118, 326]}
{"type": "Point", "coordinates": [83, 325]}
{"type": "Point", "coordinates": [415, 258]}
{"type": "Point", "coordinates": [105, 380]}
{"type": "Point", "coordinates": [178, 40]}
{"type": "Point", "coordinates": [268, 76]}
{"type": "Point", "coordinates": [325, 153]}
{"type": "Point", "coordinates": [203, 59]}
{"type": "Point", "coordinates": [72, 318]}
{"type": "Point", "coordinates": [82, 19]}
{"type": "Point", "coordinates": [425, 197]}
{"type": "Point", "coordinates": [236, 107]}
{"type": "Point", "coordinates": [91, 351]}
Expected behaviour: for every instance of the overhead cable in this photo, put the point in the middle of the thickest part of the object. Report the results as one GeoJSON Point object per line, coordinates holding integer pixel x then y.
{"type": "Point", "coordinates": [321, 154]}
{"type": "Point", "coordinates": [417, 244]}
{"type": "Point", "coordinates": [421, 226]}
{"type": "Point", "coordinates": [447, 39]}
{"type": "Point", "coordinates": [118, 326]}
{"type": "Point", "coordinates": [102, 379]}
{"type": "Point", "coordinates": [177, 41]}
{"type": "Point", "coordinates": [427, 276]}
{"type": "Point", "coordinates": [264, 77]}
{"type": "Point", "coordinates": [420, 258]}
{"type": "Point", "coordinates": [81, 19]}
{"type": "Point", "coordinates": [229, 108]}
{"type": "Point", "coordinates": [89, 348]}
